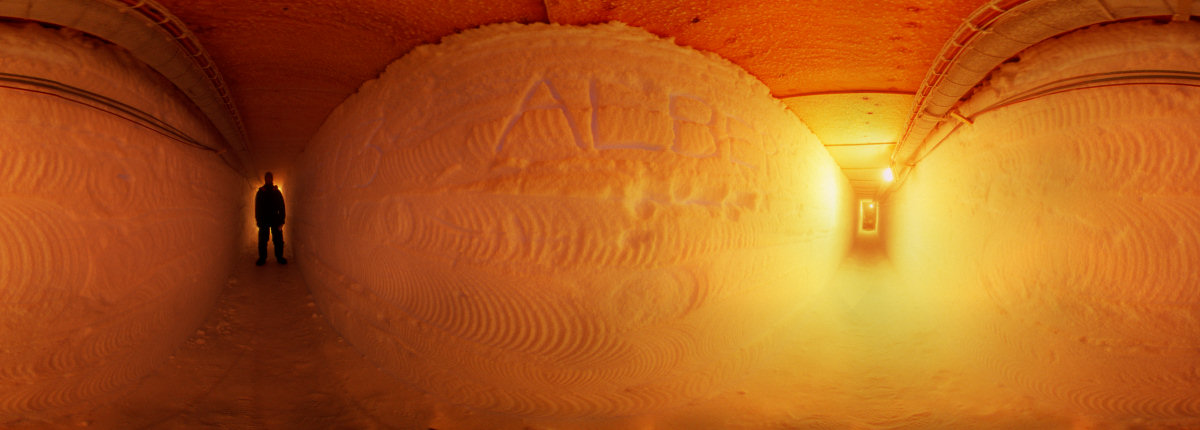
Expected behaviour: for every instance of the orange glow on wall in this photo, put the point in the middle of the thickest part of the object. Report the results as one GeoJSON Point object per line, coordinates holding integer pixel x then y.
{"type": "Point", "coordinates": [541, 255]}
{"type": "Point", "coordinates": [1061, 233]}
{"type": "Point", "coordinates": [114, 239]}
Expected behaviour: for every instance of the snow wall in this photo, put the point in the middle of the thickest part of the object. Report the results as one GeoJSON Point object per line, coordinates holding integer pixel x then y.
{"type": "Point", "coordinates": [114, 238]}
{"type": "Point", "coordinates": [566, 221]}
{"type": "Point", "coordinates": [1065, 230]}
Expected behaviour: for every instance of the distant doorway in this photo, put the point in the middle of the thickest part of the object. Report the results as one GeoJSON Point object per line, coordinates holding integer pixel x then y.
{"type": "Point", "coordinates": [869, 214]}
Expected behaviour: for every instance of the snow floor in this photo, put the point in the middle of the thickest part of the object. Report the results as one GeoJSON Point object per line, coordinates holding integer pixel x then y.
{"type": "Point", "coordinates": [264, 358]}
{"type": "Point", "coordinates": [865, 353]}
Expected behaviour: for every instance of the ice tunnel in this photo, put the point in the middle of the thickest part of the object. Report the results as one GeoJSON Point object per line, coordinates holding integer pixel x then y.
{"type": "Point", "coordinates": [531, 224]}
{"type": "Point", "coordinates": [116, 223]}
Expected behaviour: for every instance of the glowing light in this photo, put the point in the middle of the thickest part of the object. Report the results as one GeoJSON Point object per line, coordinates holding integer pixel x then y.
{"type": "Point", "coordinates": [887, 175]}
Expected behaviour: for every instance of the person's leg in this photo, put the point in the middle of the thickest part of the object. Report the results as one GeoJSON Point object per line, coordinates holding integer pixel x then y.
{"type": "Point", "coordinates": [263, 235]}
{"type": "Point", "coordinates": [277, 231]}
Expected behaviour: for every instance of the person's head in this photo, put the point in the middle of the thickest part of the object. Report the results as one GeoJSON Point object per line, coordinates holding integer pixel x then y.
{"type": "Point", "coordinates": [268, 177]}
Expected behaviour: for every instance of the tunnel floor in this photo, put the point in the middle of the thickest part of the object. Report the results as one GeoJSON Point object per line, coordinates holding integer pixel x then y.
{"type": "Point", "coordinates": [267, 358]}
{"type": "Point", "coordinates": [264, 358]}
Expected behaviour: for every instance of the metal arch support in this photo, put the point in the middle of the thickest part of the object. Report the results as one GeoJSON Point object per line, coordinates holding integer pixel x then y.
{"type": "Point", "coordinates": [989, 36]}
{"type": "Point", "coordinates": [160, 40]}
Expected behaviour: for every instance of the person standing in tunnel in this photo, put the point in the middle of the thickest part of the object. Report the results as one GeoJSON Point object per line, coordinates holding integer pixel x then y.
{"type": "Point", "coordinates": [269, 214]}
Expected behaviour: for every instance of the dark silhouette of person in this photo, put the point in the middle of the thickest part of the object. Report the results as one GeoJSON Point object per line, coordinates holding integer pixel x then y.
{"type": "Point", "coordinates": [269, 214]}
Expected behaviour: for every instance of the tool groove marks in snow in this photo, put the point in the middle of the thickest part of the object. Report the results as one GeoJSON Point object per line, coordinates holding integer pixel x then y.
{"type": "Point", "coordinates": [548, 220]}
{"type": "Point", "coordinates": [1068, 226]}
{"type": "Point", "coordinates": [114, 239]}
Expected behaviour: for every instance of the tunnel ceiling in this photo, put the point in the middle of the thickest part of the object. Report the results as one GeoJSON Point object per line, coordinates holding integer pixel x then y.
{"type": "Point", "coordinates": [848, 69]}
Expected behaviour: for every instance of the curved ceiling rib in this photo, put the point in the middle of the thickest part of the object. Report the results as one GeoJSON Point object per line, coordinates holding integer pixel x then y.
{"type": "Point", "coordinates": [156, 37]}
{"type": "Point", "coordinates": [993, 34]}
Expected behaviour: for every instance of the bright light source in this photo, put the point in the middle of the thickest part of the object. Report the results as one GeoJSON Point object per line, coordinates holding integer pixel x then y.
{"type": "Point", "coordinates": [887, 175]}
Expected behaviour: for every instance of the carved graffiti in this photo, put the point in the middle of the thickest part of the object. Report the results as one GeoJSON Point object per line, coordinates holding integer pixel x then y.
{"type": "Point", "coordinates": [688, 125]}
{"type": "Point", "coordinates": [541, 99]}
